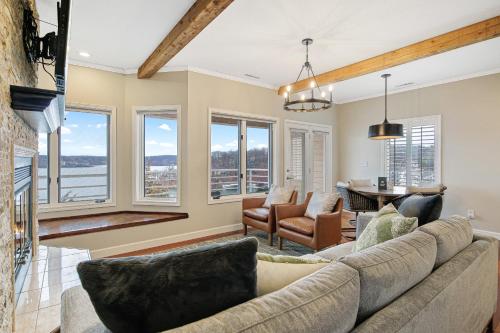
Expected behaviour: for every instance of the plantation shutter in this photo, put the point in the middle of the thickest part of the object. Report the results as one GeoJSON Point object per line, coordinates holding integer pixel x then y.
{"type": "Point", "coordinates": [395, 160]}
{"type": "Point", "coordinates": [296, 173]}
{"type": "Point", "coordinates": [318, 163]}
{"type": "Point", "coordinates": [413, 160]}
{"type": "Point", "coordinates": [423, 141]}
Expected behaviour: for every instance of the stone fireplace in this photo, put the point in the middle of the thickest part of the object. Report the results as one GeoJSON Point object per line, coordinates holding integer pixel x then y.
{"type": "Point", "coordinates": [14, 133]}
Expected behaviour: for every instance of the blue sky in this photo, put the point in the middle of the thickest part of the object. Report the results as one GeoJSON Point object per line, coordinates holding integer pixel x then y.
{"type": "Point", "coordinates": [84, 133]}
{"type": "Point", "coordinates": [160, 136]}
{"type": "Point", "coordinates": [225, 137]}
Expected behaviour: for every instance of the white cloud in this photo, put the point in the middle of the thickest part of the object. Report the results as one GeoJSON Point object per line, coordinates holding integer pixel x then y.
{"type": "Point", "coordinates": [167, 144]}
{"type": "Point", "coordinates": [101, 125]}
{"type": "Point", "coordinates": [65, 130]}
{"type": "Point", "coordinates": [88, 147]}
{"type": "Point", "coordinates": [217, 147]}
{"type": "Point", "coordinates": [262, 145]}
{"type": "Point", "coordinates": [232, 144]}
{"type": "Point", "coordinates": [68, 141]}
{"type": "Point", "coordinates": [73, 125]}
{"type": "Point", "coordinates": [251, 141]}
{"type": "Point", "coordinates": [165, 127]}
{"type": "Point", "coordinates": [151, 142]}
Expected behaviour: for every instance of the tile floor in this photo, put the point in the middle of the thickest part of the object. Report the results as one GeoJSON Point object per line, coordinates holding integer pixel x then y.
{"type": "Point", "coordinates": [51, 272]}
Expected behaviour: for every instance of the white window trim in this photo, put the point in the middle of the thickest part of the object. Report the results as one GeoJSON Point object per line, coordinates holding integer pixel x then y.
{"type": "Point", "coordinates": [54, 205]}
{"type": "Point", "coordinates": [138, 113]}
{"type": "Point", "coordinates": [275, 151]}
{"type": "Point", "coordinates": [419, 121]}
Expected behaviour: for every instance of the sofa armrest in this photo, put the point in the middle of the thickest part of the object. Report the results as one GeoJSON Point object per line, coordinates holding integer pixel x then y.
{"type": "Point", "coordinates": [328, 228]}
{"type": "Point", "coordinates": [248, 203]}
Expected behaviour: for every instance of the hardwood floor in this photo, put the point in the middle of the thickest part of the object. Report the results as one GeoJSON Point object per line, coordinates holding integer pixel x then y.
{"type": "Point", "coordinates": [83, 224]}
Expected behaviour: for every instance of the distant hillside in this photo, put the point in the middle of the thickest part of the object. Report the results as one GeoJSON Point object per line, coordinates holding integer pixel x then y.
{"type": "Point", "coordinates": [83, 161]}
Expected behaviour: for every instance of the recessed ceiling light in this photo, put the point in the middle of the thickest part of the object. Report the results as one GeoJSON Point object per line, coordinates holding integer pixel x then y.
{"type": "Point", "coordinates": [85, 54]}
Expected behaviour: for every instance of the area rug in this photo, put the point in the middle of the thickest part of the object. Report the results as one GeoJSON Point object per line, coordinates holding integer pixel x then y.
{"type": "Point", "coordinates": [289, 248]}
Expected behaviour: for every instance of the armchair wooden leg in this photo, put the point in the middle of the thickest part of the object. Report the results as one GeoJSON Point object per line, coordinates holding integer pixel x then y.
{"type": "Point", "coordinates": [270, 239]}
{"type": "Point", "coordinates": [280, 243]}
{"type": "Point", "coordinates": [245, 229]}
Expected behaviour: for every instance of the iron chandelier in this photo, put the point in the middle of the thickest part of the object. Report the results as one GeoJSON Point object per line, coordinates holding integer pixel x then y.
{"type": "Point", "coordinates": [310, 103]}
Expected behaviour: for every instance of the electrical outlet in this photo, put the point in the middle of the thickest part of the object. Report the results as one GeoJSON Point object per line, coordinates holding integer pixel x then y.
{"type": "Point", "coordinates": [471, 214]}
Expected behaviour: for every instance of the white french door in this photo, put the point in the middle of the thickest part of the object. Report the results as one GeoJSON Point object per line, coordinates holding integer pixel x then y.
{"type": "Point", "coordinates": [308, 157]}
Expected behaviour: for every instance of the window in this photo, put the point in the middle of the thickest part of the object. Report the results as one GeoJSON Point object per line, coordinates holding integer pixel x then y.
{"type": "Point", "coordinates": [415, 159]}
{"type": "Point", "coordinates": [84, 159]}
{"type": "Point", "coordinates": [157, 155]}
{"type": "Point", "coordinates": [241, 155]}
{"type": "Point", "coordinates": [259, 156]}
{"type": "Point", "coordinates": [43, 168]}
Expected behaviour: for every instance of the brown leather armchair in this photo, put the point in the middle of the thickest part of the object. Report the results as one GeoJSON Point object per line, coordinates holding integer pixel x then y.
{"type": "Point", "coordinates": [316, 234]}
{"type": "Point", "coordinates": [262, 218]}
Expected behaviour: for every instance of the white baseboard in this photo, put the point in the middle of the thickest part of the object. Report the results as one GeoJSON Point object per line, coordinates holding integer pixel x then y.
{"type": "Point", "coordinates": [488, 233]}
{"type": "Point", "coordinates": [114, 250]}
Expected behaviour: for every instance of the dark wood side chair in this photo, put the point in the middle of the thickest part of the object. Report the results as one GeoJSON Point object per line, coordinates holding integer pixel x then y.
{"type": "Point", "coordinates": [262, 218]}
{"type": "Point", "coordinates": [317, 234]}
{"type": "Point", "coordinates": [356, 202]}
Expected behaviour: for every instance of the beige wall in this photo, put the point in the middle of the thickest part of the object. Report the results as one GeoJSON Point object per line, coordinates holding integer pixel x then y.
{"type": "Point", "coordinates": [196, 93]}
{"type": "Point", "coordinates": [470, 112]}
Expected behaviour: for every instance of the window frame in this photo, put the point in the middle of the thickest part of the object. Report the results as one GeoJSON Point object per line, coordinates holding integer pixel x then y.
{"type": "Point", "coordinates": [138, 113]}
{"type": "Point", "coordinates": [49, 179]}
{"type": "Point", "coordinates": [54, 205]}
{"type": "Point", "coordinates": [408, 123]}
{"type": "Point", "coordinates": [243, 152]}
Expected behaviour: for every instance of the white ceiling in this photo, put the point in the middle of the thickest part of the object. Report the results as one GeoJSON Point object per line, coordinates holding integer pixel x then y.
{"type": "Point", "coordinates": [262, 38]}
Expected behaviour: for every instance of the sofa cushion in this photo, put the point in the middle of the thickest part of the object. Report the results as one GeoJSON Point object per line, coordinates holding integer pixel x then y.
{"type": "Point", "coordinates": [386, 224]}
{"type": "Point", "coordinates": [158, 292]}
{"type": "Point", "coordinates": [334, 252]}
{"type": "Point", "coordinates": [389, 269]}
{"type": "Point", "coordinates": [325, 301]}
{"type": "Point", "coordinates": [303, 225]}
{"type": "Point", "coordinates": [279, 195]}
{"type": "Point", "coordinates": [321, 203]}
{"type": "Point", "coordinates": [426, 209]}
{"type": "Point", "coordinates": [276, 272]}
{"type": "Point", "coordinates": [261, 213]}
{"type": "Point", "coordinates": [452, 236]}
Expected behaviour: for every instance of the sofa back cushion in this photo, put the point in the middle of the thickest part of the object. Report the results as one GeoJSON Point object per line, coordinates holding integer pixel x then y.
{"type": "Point", "coordinates": [389, 269]}
{"type": "Point", "coordinates": [452, 236]}
{"type": "Point", "coordinates": [325, 301]}
{"type": "Point", "coordinates": [425, 208]}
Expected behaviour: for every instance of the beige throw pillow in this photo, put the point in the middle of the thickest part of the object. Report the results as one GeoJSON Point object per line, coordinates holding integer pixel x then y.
{"type": "Point", "coordinates": [278, 195]}
{"type": "Point", "coordinates": [321, 203]}
{"type": "Point", "coordinates": [360, 182]}
{"type": "Point", "coordinates": [276, 272]}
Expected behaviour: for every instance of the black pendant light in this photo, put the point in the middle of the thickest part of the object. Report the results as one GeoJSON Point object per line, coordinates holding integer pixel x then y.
{"type": "Point", "coordinates": [386, 130]}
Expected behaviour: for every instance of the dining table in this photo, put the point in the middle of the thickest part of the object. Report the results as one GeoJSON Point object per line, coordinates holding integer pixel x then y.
{"type": "Point", "coordinates": [381, 195]}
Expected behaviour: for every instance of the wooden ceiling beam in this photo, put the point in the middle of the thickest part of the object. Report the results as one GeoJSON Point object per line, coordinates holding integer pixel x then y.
{"type": "Point", "coordinates": [455, 39]}
{"type": "Point", "coordinates": [201, 13]}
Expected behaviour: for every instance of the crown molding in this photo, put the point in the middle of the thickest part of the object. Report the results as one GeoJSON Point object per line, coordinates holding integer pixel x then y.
{"type": "Point", "coordinates": [420, 86]}
{"type": "Point", "coordinates": [168, 69]}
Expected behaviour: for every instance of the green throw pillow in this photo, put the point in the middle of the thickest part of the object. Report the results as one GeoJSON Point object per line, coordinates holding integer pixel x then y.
{"type": "Point", "coordinates": [385, 225]}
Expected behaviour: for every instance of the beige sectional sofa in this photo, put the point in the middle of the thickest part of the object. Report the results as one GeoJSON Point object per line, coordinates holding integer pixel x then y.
{"type": "Point", "coordinates": [439, 278]}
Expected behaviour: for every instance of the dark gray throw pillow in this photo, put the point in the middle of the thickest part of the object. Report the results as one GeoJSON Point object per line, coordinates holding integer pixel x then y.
{"type": "Point", "coordinates": [158, 292]}
{"type": "Point", "coordinates": [425, 208]}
